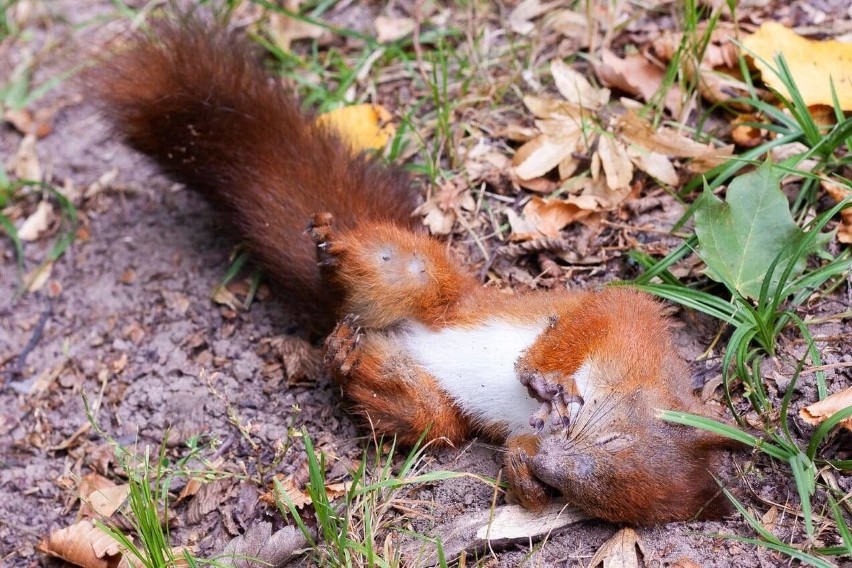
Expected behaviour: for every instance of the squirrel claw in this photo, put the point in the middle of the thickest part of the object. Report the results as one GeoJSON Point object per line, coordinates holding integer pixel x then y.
{"type": "Point", "coordinates": [321, 231]}
{"type": "Point", "coordinates": [539, 386]}
{"type": "Point", "coordinates": [539, 417]}
{"type": "Point", "coordinates": [342, 347]}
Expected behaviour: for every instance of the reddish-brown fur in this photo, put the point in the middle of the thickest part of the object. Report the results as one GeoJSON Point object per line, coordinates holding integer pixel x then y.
{"type": "Point", "coordinates": [193, 99]}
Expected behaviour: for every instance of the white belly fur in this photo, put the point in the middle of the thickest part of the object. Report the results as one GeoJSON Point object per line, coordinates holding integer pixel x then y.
{"type": "Point", "coordinates": [476, 367]}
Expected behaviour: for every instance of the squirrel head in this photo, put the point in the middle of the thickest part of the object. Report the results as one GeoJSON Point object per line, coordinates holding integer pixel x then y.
{"type": "Point", "coordinates": [390, 274]}
{"type": "Point", "coordinates": [621, 463]}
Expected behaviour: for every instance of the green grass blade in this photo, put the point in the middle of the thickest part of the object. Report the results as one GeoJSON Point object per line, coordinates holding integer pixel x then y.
{"type": "Point", "coordinates": [824, 428]}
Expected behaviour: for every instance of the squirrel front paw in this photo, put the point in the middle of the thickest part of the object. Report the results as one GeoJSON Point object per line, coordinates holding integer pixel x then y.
{"type": "Point", "coordinates": [524, 488]}
{"type": "Point", "coordinates": [343, 347]}
{"type": "Point", "coordinates": [555, 401]}
{"type": "Point", "coordinates": [321, 231]}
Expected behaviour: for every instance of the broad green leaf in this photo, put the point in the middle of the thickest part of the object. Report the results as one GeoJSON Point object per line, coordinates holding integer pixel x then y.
{"type": "Point", "coordinates": [739, 238]}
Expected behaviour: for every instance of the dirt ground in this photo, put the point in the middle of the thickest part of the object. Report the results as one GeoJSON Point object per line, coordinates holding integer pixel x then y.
{"type": "Point", "coordinates": [126, 317]}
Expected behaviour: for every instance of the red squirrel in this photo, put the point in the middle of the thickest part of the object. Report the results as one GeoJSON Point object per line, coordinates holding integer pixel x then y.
{"type": "Point", "coordinates": [570, 382]}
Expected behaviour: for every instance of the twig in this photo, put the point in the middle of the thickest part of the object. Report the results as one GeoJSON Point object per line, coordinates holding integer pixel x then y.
{"type": "Point", "coordinates": [17, 368]}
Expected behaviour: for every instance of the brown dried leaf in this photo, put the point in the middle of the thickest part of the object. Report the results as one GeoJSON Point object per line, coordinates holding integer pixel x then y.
{"type": "Point", "coordinates": [838, 193]}
{"type": "Point", "coordinates": [745, 135]}
{"type": "Point", "coordinates": [208, 498]}
{"type": "Point", "coordinates": [616, 163]}
{"type": "Point", "coordinates": [35, 279]}
{"type": "Point", "coordinates": [656, 165]}
{"type": "Point", "coordinates": [544, 218]}
{"type": "Point", "coordinates": [190, 489]}
{"type": "Point", "coordinates": [573, 25]}
{"type": "Point", "coordinates": [597, 196]}
{"type": "Point", "coordinates": [520, 19]}
{"type": "Point", "coordinates": [284, 30]}
{"type": "Point", "coordinates": [542, 154]}
{"type": "Point", "coordinates": [721, 51]}
{"type": "Point", "coordinates": [100, 496]}
{"type": "Point", "coordinates": [260, 548]}
{"type": "Point", "coordinates": [224, 297]}
{"type": "Point", "coordinates": [545, 107]}
{"type": "Point", "coordinates": [391, 29]}
{"type": "Point", "coordinates": [441, 210]}
{"type": "Point", "coordinates": [575, 88]}
{"type": "Point", "coordinates": [819, 412]}
{"type": "Point", "coordinates": [25, 163]}
{"type": "Point", "coordinates": [298, 497]}
{"type": "Point", "coordinates": [82, 544]}
{"type": "Point", "coordinates": [26, 123]}
{"type": "Point", "coordinates": [619, 552]}
{"type": "Point", "coordinates": [495, 527]}
{"type": "Point", "coordinates": [637, 76]}
{"type": "Point", "coordinates": [666, 141]}
{"type": "Point", "coordinates": [37, 223]}
{"type": "Point", "coordinates": [337, 490]}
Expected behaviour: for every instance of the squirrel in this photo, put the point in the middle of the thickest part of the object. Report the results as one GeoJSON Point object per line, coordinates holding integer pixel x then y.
{"type": "Point", "coordinates": [571, 382]}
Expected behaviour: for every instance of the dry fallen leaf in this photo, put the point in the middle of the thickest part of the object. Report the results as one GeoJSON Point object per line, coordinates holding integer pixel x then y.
{"type": "Point", "coordinates": [284, 30]}
{"type": "Point", "coordinates": [36, 278]}
{"type": "Point", "coordinates": [813, 64]}
{"type": "Point", "coordinates": [100, 496]}
{"type": "Point", "coordinates": [838, 193]}
{"type": "Point", "coordinates": [621, 551]}
{"type": "Point", "coordinates": [364, 126]}
{"type": "Point", "coordinates": [260, 547]}
{"type": "Point", "coordinates": [819, 412]}
{"type": "Point", "coordinates": [82, 544]}
{"type": "Point", "coordinates": [574, 26]}
{"type": "Point", "coordinates": [296, 496]}
{"type": "Point", "coordinates": [209, 497]}
{"type": "Point", "coordinates": [224, 297]}
{"type": "Point", "coordinates": [25, 163]}
{"type": "Point", "coordinates": [667, 141]}
{"type": "Point", "coordinates": [746, 135]}
{"type": "Point", "coordinates": [520, 18]}
{"type": "Point", "coordinates": [637, 76]}
{"type": "Point", "coordinates": [37, 223]}
{"type": "Point", "coordinates": [576, 88]}
{"type": "Point", "coordinates": [391, 29]}
{"type": "Point", "coordinates": [442, 209]}
{"type": "Point", "coordinates": [26, 122]}
{"type": "Point", "coordinates": [494, 527]}
{"type": "Point", "coordinates": [546, 217]}
{"type": "Point", "coordinates": [612, 156]}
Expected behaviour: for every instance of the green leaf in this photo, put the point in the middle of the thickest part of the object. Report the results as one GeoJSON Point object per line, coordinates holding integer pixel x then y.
{"type": "Point", "coordinates": [740, 238]}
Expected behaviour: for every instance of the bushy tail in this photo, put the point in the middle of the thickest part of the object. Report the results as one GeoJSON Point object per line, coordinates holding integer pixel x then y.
{"type": "Point", "coordinates": [192, 97]}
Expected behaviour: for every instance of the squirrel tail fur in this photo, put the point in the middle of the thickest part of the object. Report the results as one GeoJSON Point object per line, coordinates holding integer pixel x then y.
{"type": "Point", "coordinates": [192, 97]}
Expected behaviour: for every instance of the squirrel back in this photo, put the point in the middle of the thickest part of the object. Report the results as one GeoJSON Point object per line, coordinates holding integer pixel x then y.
{"type": "Point", "coordinates": [192, 97]}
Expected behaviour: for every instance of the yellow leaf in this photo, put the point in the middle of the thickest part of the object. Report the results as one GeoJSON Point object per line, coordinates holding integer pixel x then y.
{"type": "Point", "coordinates": [364, 126]}
{"type": "Point", "coordinates": [813, 64]}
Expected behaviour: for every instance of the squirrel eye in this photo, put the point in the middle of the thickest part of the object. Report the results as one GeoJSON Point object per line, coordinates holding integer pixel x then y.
{"type": "Point", "coordinates": [615, 442]}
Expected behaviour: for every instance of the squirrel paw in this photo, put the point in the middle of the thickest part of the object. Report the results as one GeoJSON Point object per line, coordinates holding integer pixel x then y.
{"type": "Point", "coordinates": [321, 231]}
{"type": "Point", "coordinates": [342, 347]}
{"type": "Point", "coordinates": [554, 400]}
{"type": "Point", "coordinates": [524, 487]}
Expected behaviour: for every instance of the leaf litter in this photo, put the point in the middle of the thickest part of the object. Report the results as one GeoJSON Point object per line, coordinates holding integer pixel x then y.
{"type": "Point", "coordinates": [615, 142]}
